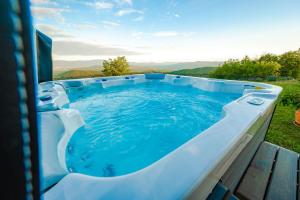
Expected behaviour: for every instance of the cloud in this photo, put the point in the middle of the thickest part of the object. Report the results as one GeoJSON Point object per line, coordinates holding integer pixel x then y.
{"type": "Point", "coordinates": [137, 35]}
{"type": "Point", "coordinates": [43, 2]}
{"type": "Point", "coordinates": [172, 34]}
{"type": "Point", "coordinates": [177, 15]}
{"type": "Point", "coordinates": [140, 18]}
{"type": "Point", "coordinates": [166, 34]}
{"type": "Point", "coordinates": [39, 1]}
{"type": "Point", "coordinates": [78, 48]}
{"type": "Point", "coordinates": [48, 12]}
{"type": "Point", "coordinates": [100, 5]}
{"type": "Point", "coordinates": [127, 1]}
{"type": "Point", "coordinates": [120, 2]}
{"type": "Point", "coordinates": [52, 31]}
{"type": "Point", "coordinates": [84, 26]}
{"type": "Point", "coordinates": [128, 12]}
{"type": "Point", "coordinates": [110, 24]}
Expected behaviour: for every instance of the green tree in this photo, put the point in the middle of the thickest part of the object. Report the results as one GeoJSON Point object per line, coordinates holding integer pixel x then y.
{"type": "Point", "coordinates": [266, 69]}
{"type": "Point", "coordinates": [246, 69]}
{"type": "Point", "coordinates": [290, 64]}
{"type": "Point", "coordinates": [115, 67]}
{"type": "Point", "coordinates": [268, 58]}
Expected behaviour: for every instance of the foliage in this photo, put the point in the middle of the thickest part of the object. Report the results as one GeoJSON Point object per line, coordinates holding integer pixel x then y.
{"type": "Point", "coordinates": [292, 99]}
{"type": "Point", "coordinates": [115, 67]}
{"type": "Point", "coordinates": [267, 67]}
{"type": "Point", "coordinates": [290, 64]}
{"type": "Point", "coordinates": [246, 69]}
{"type": "Point", "coordinates": [268, 58]}
{"type": "Point", "coordinates": [290, 96]}
{"type": "Point", "coordinates": [282, 131]}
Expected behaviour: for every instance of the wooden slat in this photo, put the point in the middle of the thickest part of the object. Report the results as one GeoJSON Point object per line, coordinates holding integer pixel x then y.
{"type": "Point", "coordinates": [232, 197]}
{"type": "Point", "coordinates": [218, 192]}
{"type": "Point", "coordinates": [283, 183]}
{"type": "Point", "coordinates": [255, 180]}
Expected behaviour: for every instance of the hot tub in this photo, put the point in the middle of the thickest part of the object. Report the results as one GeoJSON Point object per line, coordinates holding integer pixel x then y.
{"type": "Point", "coordinates": [147, 136]}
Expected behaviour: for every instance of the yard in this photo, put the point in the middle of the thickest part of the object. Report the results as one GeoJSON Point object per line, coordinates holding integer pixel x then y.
{"type": "Point", "coordinates": [282, 130]}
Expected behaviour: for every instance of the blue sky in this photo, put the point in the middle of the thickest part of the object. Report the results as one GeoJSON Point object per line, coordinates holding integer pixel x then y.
{"type": "Point", "coordinates": [168, 30]}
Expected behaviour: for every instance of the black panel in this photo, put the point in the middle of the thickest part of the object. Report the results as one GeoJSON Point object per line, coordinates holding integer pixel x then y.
{"type": "Point", "coordinates": [18, 127]}
{"type": "Point", "coordinates": [44, 56]}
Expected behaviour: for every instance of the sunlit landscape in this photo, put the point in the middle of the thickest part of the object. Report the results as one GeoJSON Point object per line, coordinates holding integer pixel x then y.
{"type": "Point", "coordinates": [253, 42]}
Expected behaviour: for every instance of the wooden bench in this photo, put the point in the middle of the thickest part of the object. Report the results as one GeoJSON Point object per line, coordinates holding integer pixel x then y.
{"type": "Point", "coordinates": [271, 174]}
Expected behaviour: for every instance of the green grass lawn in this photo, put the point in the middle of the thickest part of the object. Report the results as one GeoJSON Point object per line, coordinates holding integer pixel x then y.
{"type": "Point", "coordinates": [282, 130]}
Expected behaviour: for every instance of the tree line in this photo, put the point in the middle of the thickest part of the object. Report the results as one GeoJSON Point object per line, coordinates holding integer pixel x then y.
{"type": "Point", "coordinates": [266, 67]}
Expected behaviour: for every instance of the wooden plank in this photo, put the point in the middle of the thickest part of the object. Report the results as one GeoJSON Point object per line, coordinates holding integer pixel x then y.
{"type": "Point", "coordinates": [235, 172]}
{"type": "Point", "coordinates": [283, 183]}
{"type": "Point", "coordinates": [232, 197]}
{"type": "Point", "coordinates": [218, 192]}
{"type": "Point", "coordinates": [255, 180]}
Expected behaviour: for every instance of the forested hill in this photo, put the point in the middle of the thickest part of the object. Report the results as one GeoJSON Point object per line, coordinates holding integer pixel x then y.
{"type": "Point", "coordinates": [202, 71]}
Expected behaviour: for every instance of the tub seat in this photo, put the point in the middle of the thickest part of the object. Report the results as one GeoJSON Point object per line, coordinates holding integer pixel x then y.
{"type": "Point", "coordinates": [58, 126]}
{"type": "Point", "coordinates": [53, 129]}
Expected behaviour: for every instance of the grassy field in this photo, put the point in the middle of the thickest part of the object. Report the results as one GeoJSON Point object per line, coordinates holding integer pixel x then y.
{"type": "Point", "coordinates": [282, 130]}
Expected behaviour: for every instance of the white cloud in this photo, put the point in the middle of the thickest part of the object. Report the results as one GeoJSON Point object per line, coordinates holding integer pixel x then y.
{"type": "Point", "coordinates": [121, 2]}
{"type": "Point", "coordinates": [172, 34]}
{"type": "Point", "coordinates": [166, 34]}
{"type": "Point", "coordinates": [140, 18]}
{"type": "Point", "coordinates": [110, 24]}
{"type": "Point", "coordinates": [80, 48]}
{"type": "Point", "coordinates": [177, 15]}
{"type": "Point", "coordinates": [84, 26]}
{"type": "Point", "coordinates": [128, 12]}
{"type": "Point", "coordinates": [48, 12]}
{"type": "Point", "coordinates": [52, 31]}
{"type": "Point", "coordinates": [137, 35]}
{"type": "Point", "coordinates": [43, 2]}
{"type": "Point", "coordinates": [39, 1]}
{"type": "Point", "coordinates": [101, 5]}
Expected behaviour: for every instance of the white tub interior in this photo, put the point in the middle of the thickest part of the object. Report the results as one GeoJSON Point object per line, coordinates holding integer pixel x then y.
{"type": "Point", "coordinates": [198, 157]}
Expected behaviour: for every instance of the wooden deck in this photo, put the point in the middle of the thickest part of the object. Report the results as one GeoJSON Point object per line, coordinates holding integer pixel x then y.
{"type": "Point", "coordinates": [272, 174]}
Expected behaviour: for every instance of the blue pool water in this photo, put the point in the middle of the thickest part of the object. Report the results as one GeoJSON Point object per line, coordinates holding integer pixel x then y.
{"type": "Point", "coordinates": [131, 126]}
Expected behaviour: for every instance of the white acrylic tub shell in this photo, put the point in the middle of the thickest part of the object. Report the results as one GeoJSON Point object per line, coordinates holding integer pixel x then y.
{"type": "Point", "coordinates": [175, 175]}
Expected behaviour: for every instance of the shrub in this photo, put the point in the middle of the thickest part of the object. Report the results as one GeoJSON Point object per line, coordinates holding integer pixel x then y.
{"type": "Point", "coordinates": [290, 64]}
{"type": "Point", "coordinates": [115, 67]}
{"type": "Point", "coordinates": [247, 69]}
{"type": "Point", "coordinates": [290, 98]}
{"type": "Point", "coordinates": [271, 78]}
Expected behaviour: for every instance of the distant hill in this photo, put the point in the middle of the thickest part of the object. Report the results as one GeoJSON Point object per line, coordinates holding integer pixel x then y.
{"type": "Point", "coordinates": [75, 64]}
{"type": "Point", "coordinates": [171, 66]}
{"type": "Point", "coordinates": [203, 71]}
{"type": "Point", "coordinates": [73, 74]}
{"type": "Point", "coordinates": [60, 65]}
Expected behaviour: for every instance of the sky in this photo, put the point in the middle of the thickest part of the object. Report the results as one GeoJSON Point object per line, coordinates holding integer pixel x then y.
{"type": "Point", "coordinates": [168, 30]}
